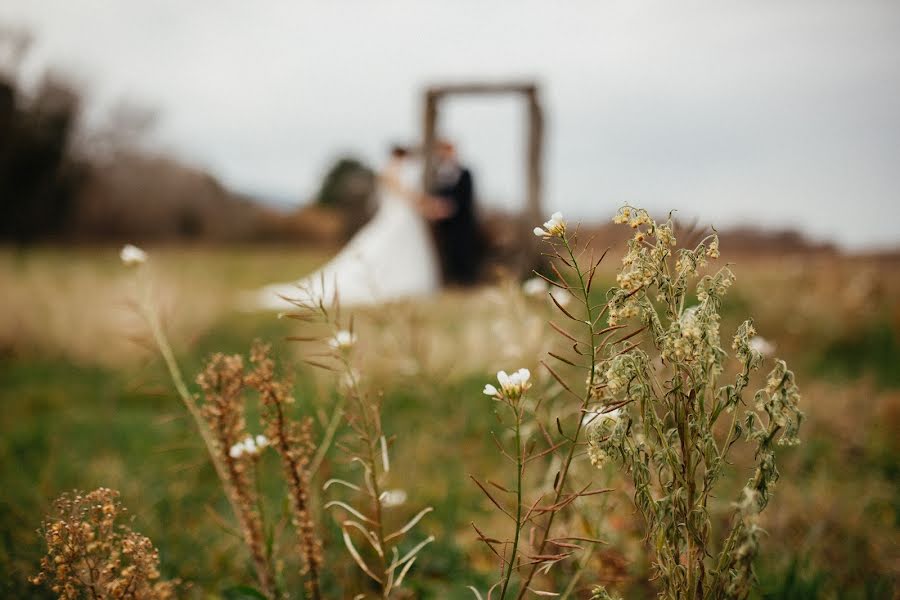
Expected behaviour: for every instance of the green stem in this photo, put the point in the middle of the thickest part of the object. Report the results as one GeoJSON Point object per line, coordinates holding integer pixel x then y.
{"type": "Point", "coordinates": [564, 471]}
{"type": "Point", "coordinates": [379, 525]}
{"type": "Point", "coordinates": [266, 579]}
{"type": "Point", "coordinates": [519, 466]}
{"type": "Point", "coordinates": [328, 437]}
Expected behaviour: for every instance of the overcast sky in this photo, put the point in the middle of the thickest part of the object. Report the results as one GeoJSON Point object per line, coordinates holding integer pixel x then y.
{"type": "Point", "coordinates": [768, 112]}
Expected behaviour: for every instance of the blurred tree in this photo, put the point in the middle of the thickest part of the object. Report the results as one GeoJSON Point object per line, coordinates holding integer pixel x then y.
{"type": "Point", "coordinates": [38, 177]}
{"type": "Point", "coordinates": [349, 186]}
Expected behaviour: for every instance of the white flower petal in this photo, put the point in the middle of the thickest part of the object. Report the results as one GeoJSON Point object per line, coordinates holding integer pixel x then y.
{"type": "Point", "coordinates": [132, 255]}
{"type": "Point", "coordinates": [534, 286]}
{"type": "Point", "coordinates": [490, 390]}
{"type": "Point", "coordinates": [390, 498]}
{"type": "Point", "coordinates": [503, 378]}
{"type": "Point", "coordinates": [342, 339]}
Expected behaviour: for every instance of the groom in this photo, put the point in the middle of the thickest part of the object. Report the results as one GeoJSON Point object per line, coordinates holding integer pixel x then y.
{"type": "Point", "coordinates": [453, 216]}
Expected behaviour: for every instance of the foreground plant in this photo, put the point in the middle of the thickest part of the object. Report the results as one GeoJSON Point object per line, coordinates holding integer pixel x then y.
{"type": "Point", "coordinates": [234, 451]}
{"type": "Point", "coordinates": [671, 424]}
{"type": "Point", "coordinates": [91, 555]}
{"type": "Point", "coordinates": [526, 435]}
{"type": "Point", "coordinates": [225, 383]}
{"type": "Point", "coordinates": [292, 439]}
{"type": "Point", "coordinates": [554, 445]}
{"type": "Point", "coordinates": [376, 550]}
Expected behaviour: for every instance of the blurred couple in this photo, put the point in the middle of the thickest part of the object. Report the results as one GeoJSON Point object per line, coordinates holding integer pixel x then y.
{"type": "Point", "coordinates": [417, 241]}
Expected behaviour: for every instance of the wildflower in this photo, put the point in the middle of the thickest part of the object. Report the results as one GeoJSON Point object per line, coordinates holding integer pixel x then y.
{"type": "Point", "coordinates": [664, 235]}
{"type": "Point", "coordinates": [512, 386]}
{"type": "Point", "coordinates": [535, 286]}
{"type": "Point", "coordinates": [597, 455]}
{"type": "Point", "coordinates": [555, 227]}
{"type": "Point", "coordinates": [249, 445]}
{"type": "Point", "coordinates": [622, 216]}
{"type": "Point", "coordinates": [391, 498]}
{"type": "Point", "coordinates": [132, 256]}
{"type": "Point", "coordinates": [342, 340]}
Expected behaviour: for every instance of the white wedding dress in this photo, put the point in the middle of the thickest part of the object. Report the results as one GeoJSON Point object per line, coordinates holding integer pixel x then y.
{"type": "Point", "coordinates": [392, 257]}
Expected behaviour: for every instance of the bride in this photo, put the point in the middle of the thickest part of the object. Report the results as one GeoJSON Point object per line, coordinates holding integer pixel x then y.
{"type": "Point", "coordinates": [390, 258]}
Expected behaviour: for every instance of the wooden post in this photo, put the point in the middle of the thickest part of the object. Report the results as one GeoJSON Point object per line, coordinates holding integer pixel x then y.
{"type": "Point", "coordinates": [429, 133]}
{"type": "Point", "coordinates": [529, 253]}
{"type": "Point", "coordinates": [535, 150]}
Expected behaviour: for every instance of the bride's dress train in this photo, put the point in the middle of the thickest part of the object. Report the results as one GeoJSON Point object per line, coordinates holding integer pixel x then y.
{"type": "Point", "coordinates": [390, 258]}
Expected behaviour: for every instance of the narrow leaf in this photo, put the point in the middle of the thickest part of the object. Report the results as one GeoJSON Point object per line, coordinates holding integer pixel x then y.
{"type": "Point", "coordinates": [355, 554]}
{"type": "Point", "coordinates": [412, 523]}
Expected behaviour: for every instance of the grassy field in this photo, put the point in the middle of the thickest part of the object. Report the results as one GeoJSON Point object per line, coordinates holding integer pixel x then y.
{"type": "Point", "coordinates": [86, 403]}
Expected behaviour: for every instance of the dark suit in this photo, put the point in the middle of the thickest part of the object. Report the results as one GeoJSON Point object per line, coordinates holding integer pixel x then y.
{"type": "Point", "coordinates": [457, 236]}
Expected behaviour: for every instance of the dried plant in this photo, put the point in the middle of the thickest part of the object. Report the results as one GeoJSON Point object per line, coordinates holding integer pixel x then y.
{"type": "Point", "coordinates": [91, 555]}
{"type": "Point", "coordinates": [234, 452]}
{"type": "Point", "coordinates": [663, 406]}
{"type": "Point", "coordinates": [293, 441]}
{"type": "Point", "coordinates": [223, 382]}
{"type": "Point", "coordinates": [363, 516]}
{"type": "Point", "coordinates": [219, 425]}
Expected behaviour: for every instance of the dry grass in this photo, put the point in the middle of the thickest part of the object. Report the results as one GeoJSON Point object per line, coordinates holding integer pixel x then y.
{"type": "Point", "coordinates": [78, 304]}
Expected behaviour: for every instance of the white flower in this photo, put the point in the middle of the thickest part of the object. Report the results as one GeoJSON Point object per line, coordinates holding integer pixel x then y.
{"type": "Point", "coordinates": [535, 286]}
{"type": "Point", "coordinates": [390, 498]}
{"type": "Point", "coordinates": [762, 345]}
{"type": "Point", "coordinates": [520, 377]}
{"type": "Point", "coordinates": [512, 386]}
{"type": "Point", "coordinates": [555, 227]}
{"type": "Point", "coordinates": [132, 255]}
{"type": "Point", "coordinates": [503, 378]}
{"type": "Point", "coordinates": [249, 445]}
{"type": "Point", "coordinates": [342, 340]}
